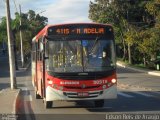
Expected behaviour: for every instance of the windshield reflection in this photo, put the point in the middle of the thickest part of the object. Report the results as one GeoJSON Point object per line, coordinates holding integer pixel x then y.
{"type": "Point", "coordinates": [81, 55]}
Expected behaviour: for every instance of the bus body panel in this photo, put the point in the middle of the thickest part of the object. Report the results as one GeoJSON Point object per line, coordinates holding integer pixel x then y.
{"type": "Point", "coordinates": [53, 94]}
{"type": "Point", "coordinates": [39, 77]}
{"type": "Point", "coordinates": [61, 89]}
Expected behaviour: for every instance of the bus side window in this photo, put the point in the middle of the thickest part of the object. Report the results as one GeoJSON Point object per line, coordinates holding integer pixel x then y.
{"type": "Point", "coordinates": [39, 52]}
{"type": "Point", "coordinates": [33, 51]}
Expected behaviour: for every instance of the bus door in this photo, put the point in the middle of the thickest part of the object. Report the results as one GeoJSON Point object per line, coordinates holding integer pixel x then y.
{"type": "Point", "coordinates": [43, 65]}
{"type": "Point", "coordinates": [40, 68]}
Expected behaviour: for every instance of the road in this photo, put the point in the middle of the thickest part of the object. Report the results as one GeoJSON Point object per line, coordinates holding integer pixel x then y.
{"type": "Point", "coordinates": [4, 72]}
{"type": "Point", "coordinates": [138, 93]}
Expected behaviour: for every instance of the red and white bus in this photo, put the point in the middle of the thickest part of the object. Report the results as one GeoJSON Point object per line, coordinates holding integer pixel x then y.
{"type": "Point", "coordinates": [74, 62]}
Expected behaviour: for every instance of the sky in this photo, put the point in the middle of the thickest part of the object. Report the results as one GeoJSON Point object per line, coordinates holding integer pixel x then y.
{"type": "Point", "coordinates": [57, 11]}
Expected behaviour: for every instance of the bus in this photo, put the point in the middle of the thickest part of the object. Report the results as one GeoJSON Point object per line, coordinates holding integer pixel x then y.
{"type": "Point", "coordinates": [74, 62]}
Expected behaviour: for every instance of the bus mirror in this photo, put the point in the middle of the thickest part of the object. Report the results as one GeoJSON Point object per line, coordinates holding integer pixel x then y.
{"type": "Point", "coordinates": [46, 58]}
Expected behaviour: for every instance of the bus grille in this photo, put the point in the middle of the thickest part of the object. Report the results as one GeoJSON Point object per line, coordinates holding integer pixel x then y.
{"type": "Point", "coordinates": [79, 87]}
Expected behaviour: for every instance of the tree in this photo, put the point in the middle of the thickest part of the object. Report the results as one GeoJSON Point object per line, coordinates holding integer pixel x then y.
{"type": "Point", "coordinates": [3, 30]}
{"type": "Point", "coordinates": [132, 20]}
{"type": "Point", "coordinates": [131, 38]}
{"type": "Point", "coordinates": [104, 11]}
{"type": "Point", "coordinates": [32, 23]}
{"type": "Point", "coordinates": [153, 7]}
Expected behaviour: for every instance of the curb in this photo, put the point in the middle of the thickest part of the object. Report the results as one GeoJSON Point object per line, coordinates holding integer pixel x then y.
{"type": "Point", "coordinates": [8, 102]}
{"type": "Point", "coordinates": [135, 87]}
{"type": "Point", "coordinates": [121, 65]}
{"type": "Point", "coordinates": [139, 88]}
{"type": "Point", "coordinates": [27, 66]}
{"type": "Point", "coordinates": [24, 68]}
{"type": "Point", "coordinates": [154, 73]}
{"type": "Point", "coordinates": [16, 101]}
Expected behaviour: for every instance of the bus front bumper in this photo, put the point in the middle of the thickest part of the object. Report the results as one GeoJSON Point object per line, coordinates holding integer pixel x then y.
{"type": "Point", "coordinates": [53, 94]}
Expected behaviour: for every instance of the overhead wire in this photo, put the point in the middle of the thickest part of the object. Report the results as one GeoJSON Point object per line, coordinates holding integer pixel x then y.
{"type": "Point", "coordinates": [15, 5]}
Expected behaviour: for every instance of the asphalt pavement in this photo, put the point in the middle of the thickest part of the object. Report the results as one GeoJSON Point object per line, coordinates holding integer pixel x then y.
{"type": "Point", "coordinates": [9, 98]}
{"type": "Point", "coordinates": [148, 71]}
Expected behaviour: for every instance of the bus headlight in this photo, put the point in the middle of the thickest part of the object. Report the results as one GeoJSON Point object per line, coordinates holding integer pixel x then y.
{"type": "Point", "coordinates": [113, 81]}
{"type": "Point", "coordinates": [50, 82]}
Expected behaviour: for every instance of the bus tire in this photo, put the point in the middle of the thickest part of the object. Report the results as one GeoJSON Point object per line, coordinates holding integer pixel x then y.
{"type": "Point", "coordinates": [37, 96]}
{"type": "Point", "coordinates": [48, 104]}
{"type": "Point", "coordinates": [99, 103]}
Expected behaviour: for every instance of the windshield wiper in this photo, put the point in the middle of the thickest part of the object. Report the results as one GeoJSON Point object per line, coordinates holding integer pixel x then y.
{"type": "Point", "coordinates": [95, 43]}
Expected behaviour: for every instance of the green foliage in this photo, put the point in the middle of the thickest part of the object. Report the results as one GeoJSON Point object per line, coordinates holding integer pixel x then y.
{"type": "Point", "coordinates": [136, 24]}
{"type": "Point", "coordinates": [32, 23]}
{"type": "Point", "coordinates": [131, 36]}
{"type": "Point", "coordinates": [3, 30]}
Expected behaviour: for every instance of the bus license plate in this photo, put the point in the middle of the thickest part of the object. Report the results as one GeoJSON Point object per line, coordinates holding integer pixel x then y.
{"type": "Point", "coordinates": [82, 94]}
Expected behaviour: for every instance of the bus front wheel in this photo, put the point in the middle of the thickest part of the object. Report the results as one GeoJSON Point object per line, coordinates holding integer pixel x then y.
{"type": "Point", "coordinates": [99, 103]}
{"type": "Point", "coordinates": [37, 96]}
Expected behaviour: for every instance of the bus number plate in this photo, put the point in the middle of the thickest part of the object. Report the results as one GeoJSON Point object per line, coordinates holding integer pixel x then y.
{"type": "Point", "coordinates": [82, 94]}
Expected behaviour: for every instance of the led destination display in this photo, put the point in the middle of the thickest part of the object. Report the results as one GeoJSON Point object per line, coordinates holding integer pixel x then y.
{"type": "Point", "coordinates": [80, 30]}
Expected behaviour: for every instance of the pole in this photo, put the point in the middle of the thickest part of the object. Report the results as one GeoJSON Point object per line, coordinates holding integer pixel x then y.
{"type": "Point", "coordinates": [10, 47]}
{"type": "Point", "coordinates": [15, 52]}
{"type": "Point", "coordinates": [22, 56]}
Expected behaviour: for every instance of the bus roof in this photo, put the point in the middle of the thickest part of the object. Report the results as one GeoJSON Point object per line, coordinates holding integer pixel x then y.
{"type": "Point", "coordinates": [44, 31]}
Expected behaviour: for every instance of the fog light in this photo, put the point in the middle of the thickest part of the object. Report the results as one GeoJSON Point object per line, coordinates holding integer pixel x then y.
{"type": "Point", "coordinates": [113, 80]}
{"type": "Point", "coordinates": [104, 86]}
{"type": "Point", "coordinates": [54, 85]}
{"type": "Point", "coordinates": [109, 84]}
{"type": "Point", "coordinates": [61, 88]}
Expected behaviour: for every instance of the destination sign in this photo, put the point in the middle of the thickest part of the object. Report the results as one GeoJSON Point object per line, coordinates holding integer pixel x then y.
{"type": "Point", "coordinates": [80, 31]}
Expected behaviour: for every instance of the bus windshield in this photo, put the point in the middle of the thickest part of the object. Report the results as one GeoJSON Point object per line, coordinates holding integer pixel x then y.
{"type": "Point", "coordinates": [80, 55]}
